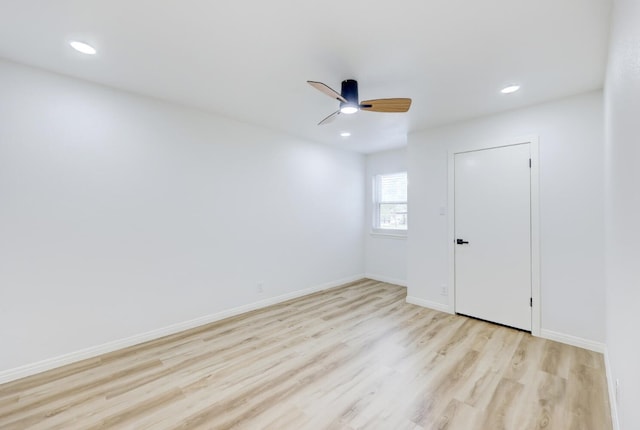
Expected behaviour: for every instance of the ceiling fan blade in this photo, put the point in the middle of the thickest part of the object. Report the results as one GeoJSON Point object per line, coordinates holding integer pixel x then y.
{"type": "Point", "coordinates": [386, 105]}
{"type": "Point", "coordinates": [328, 91]}
{"type": "Point", "coordinates": [330, 118]}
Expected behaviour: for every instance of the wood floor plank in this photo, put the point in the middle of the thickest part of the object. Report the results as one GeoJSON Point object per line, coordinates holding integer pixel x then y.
{"type": "Point", "coordinates": [544, 408]}
{"type": "Point", "coordinates": [353, 357]}
{"type": "Point", "coordinates": [502, 406]}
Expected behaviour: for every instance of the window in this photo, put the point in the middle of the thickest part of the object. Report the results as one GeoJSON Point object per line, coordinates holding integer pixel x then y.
{"type": "Point", "coordinates": [390, 202]}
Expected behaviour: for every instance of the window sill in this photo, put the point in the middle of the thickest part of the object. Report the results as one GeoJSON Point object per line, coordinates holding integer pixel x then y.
{"type": "Point", "coordinates": [389, 234]}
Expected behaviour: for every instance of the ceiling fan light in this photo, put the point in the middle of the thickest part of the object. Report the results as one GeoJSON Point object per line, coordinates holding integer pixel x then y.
{"type": "Point", "coordinates": [348, 109]}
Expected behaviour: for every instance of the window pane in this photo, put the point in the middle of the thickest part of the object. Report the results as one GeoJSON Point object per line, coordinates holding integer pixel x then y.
{"type": "Point", "coordinates": [393, 188]}
{"type": "Point", "coordinates": [393, 216]}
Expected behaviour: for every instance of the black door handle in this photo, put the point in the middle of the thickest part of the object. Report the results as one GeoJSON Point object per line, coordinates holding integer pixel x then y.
{"type": "Point", "coordinates": [461, 241]}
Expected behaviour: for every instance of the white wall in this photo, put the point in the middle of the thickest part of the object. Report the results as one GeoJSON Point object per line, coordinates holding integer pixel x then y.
{"type": "Point", "coordinates": [385, 255]}
{"type": "Point", "coordinates": [122, 214]}
{"type": "Point", "coordinates": [622, 113]}
{"type": "Point", "coordinates": [571, 206]}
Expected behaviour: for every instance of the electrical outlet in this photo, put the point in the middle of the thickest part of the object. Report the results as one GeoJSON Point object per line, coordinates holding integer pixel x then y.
{"type": "Point", "coordinates": [444, 291]}
{"type": "Point", "coordinates": [261, 287]}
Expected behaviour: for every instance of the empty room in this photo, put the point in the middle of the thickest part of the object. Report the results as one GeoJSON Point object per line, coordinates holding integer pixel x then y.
{"type": "Point", "coordinates": [408, 215]}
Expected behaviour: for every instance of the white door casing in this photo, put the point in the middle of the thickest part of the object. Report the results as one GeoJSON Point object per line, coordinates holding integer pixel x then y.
{"type": "Point", "coordinates": [502, 227]}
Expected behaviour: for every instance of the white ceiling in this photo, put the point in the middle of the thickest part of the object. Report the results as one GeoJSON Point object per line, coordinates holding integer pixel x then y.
{"type": "Point", "coordinates": [250, 59]}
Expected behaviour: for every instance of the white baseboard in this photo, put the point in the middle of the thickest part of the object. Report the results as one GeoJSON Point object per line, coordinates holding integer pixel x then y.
{"type": "Point", "coordinates": [611, 384]}
{"type": "Point", "coordinates": [428, 304]}
{"type": "Point", "coordinates": [387, 279]}
{"type": "Point", "coordinates": [94, 351]}
{"type": "Point", "coordinates": [580, 342]}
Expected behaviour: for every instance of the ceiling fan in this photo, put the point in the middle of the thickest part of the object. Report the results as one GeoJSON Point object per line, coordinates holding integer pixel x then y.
{"type": "Point", "coordinates": [349, 103]}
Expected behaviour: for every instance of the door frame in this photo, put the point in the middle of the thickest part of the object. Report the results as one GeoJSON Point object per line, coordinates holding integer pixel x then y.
{"type": "Point", "coordinates": [533, 142]}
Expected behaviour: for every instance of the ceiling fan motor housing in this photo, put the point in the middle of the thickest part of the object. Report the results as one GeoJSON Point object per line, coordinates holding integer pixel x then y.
{"type": "Point", "coordinates": [350, 93]}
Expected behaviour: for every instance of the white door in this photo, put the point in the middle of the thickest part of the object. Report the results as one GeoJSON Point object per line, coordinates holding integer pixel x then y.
{"type": "Point", "coordinates": [493, 214]}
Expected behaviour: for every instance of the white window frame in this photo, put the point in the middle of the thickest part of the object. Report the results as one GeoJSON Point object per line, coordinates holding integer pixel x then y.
{"type": "Point", "coordinates": [376, 229]}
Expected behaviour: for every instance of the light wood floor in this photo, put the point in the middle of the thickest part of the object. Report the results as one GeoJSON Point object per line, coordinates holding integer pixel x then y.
{"type": "Point", "coordinates": [355, 357]}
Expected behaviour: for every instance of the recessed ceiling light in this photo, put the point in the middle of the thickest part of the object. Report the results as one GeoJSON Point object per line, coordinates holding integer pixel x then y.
{"type": "Point", "coordinates": [345, 134]}
{"type": "Point", "coordinates": [83, 47]}
{"type": "Point", "coordinates": [510, 89]}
